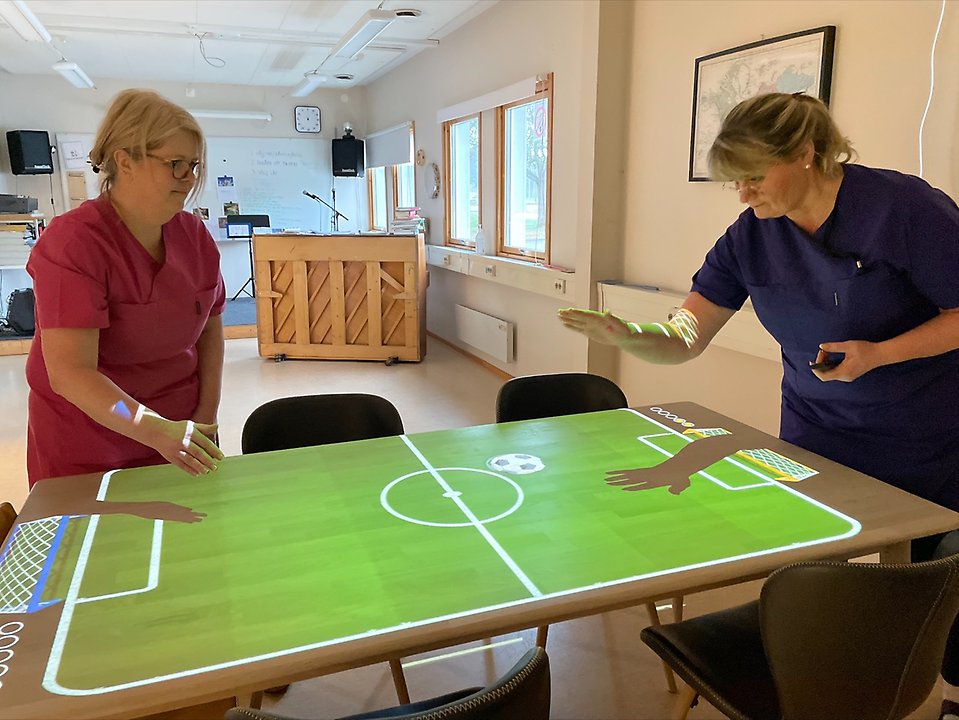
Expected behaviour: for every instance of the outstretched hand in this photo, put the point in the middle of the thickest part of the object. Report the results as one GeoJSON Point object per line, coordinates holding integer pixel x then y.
{"type": "Point", "coordinates": [602, 327]}
{"type": "Point", "coordinates": [647, 478]}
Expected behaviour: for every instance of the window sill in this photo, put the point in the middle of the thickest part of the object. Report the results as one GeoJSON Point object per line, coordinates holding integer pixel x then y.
{"type": "Point", "coordinates": [505, 271]}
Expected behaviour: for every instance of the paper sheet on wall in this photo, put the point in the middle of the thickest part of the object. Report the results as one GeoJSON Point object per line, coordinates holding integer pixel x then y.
{"type": "Point", "coordinates": [225, 189]}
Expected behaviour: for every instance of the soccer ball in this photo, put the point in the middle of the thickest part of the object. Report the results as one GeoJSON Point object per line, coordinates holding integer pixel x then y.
{"type": "Point", "coordinates": [516, 463]}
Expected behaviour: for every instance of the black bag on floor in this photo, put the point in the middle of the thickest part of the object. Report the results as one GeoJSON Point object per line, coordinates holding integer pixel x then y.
{"type": "Point", "coordinates": [20, 312]}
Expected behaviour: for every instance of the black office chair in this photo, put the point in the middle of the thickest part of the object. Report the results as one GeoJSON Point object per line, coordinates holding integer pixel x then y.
{"type": "Point", "coordinates": [824, 640]}
{"type": "Point", "coordinates": [539, 396]}
{"type": "Point", "coordinates": [531, 397]}
{"type": "Point", "coordinates": [521, 694]}
{"type": "Point", "coordinates": [307, 420]}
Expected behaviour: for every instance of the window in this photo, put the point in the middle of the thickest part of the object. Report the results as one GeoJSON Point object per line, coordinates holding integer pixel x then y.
{"type": "Point", "coordinates": [524, 132]}
{"type": "Point", "coordinates": [404, 190]}
{"type": "Point", "coordinates": [376, 187]}
{"type": "Point", "coordinates": [463, 194]}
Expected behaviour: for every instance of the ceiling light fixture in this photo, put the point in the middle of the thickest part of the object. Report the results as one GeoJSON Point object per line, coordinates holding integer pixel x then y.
{"type": "Point", "coordinates": [232, 114]}
{"type": "Point", "coordinates": [308, 84]}
{"type": "Point", "coordinates": [18, 16]}
{"type": "Point", "coordinates": [74, 74]}
{"type": "Point", "coordinates": [363, 33]}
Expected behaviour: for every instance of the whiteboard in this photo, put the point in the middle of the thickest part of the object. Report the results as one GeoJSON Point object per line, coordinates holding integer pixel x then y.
{"type": "Point", "coordinates": [269, 177]}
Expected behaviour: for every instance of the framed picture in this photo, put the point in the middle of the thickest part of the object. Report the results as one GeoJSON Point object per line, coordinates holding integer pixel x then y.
{"type": "Point", "coordinates": [798, 62]}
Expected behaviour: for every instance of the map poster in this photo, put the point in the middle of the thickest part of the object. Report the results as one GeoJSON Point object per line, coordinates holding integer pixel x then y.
{"type": "Point", "coordinates": [799, 62]}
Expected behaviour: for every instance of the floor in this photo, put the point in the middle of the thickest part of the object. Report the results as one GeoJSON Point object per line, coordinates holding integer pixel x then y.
{"type": "Point", "coordinates": [600, 669]}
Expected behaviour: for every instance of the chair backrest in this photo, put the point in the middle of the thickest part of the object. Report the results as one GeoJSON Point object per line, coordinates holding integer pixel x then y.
{"type": "Point", "coordinates": [857, 640]}
{"type": "Point", "coordinates": [538, 396]}
{"type": "Point", "coordinates": [308, 420]}
{"type": "Point", "coordinates": [8, 516]}
{"type": "Point", "coordinates": [523, 693]}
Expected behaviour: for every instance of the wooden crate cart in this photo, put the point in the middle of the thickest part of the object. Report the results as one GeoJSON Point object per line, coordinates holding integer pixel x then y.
{"type": "Point", "coordinates": [341, 297]}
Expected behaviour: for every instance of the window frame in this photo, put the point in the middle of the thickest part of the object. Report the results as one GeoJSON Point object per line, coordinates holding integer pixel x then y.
{"type": "Point", "coordinates": [372, 200]}
{"type": "Point", "coordinates": [469, 243]}
{"type": "Point", "coordinates": [544, 89]}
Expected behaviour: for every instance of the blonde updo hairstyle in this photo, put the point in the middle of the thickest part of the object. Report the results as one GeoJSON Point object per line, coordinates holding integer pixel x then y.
{"type": "Point", "coordinates": [139, 121]}
{"type": "Point", "coordinates": [774, 128]}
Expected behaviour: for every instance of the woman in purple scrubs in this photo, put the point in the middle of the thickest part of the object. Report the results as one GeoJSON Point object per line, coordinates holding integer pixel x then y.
{"type": "Point", "coordinates": [842, 263]}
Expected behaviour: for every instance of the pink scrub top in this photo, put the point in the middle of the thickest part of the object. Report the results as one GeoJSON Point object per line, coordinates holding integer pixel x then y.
{"type": "Point", "coordinates": [90, 272]}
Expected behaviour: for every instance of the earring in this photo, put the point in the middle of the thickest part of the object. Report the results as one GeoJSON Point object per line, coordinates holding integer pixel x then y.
{"type": "Point", "coordinates": [808, 166]}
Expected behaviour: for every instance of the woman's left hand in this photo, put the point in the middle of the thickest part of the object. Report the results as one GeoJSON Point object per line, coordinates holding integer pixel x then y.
{"type": "Point", "coordinates": [861, 357]}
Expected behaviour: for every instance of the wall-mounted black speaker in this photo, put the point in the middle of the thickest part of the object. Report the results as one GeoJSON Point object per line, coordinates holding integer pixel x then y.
{"type": "Point", "coordinates": [30, 152]}
{"type": "Point", "coordinates": [349, 157]}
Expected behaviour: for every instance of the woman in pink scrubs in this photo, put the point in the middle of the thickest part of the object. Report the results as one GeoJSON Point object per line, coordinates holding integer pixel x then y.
{"type": "Point", "coordinates": [126, 366]}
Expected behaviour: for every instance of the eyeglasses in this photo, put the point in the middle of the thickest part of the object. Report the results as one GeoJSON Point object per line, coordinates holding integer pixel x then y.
{"type": "Point", "coordinates": [181, 169]}
{"type": "Point", "coordinates": [747, 184]}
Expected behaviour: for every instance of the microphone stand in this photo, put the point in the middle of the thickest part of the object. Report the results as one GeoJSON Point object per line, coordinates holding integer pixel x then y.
{"type": "Point", "coordinates": [335, 219]}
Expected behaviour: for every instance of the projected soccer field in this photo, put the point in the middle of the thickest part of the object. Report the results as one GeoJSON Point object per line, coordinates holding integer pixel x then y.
{"type": "Point", "coordinates": [312, 547]}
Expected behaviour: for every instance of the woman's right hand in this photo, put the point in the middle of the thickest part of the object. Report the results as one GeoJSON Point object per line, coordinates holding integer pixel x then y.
{"type": "Point", "coordinates": [602, 327]}
{"type": "Point", "coordinates": [193, 452]}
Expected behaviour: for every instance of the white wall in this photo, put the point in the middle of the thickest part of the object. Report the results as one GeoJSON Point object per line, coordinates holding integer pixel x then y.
{"type": "Point", "coordinates": [507, 43]}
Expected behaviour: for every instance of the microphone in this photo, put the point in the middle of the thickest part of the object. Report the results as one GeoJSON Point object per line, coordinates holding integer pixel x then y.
{"type": "Point", "coordinates": [310, 195]}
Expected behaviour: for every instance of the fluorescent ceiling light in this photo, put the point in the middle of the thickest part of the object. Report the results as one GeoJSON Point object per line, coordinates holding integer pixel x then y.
{"type": "Point", "coordinates": [18, 16]}
{"type": "Point", "coordinates": [74, 74]}
{"type": "Point", "coordinates": [232, 114]}
{"type": "Point", "coordinates": [308, 84]}
{"type": "Point", "coordinates": [362, 34]}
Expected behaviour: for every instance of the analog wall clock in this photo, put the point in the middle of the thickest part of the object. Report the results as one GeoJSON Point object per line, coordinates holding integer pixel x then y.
{"type": "Point", "coordinates": [306, 118]}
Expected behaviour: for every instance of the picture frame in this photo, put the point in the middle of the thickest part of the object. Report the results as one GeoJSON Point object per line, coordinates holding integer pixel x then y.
{"type": "Point", "coordinates": [797, 62]}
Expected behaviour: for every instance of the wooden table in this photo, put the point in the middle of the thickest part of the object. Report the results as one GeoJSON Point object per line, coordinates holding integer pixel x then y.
{"type": "Point", "coordinates": [316, 560]}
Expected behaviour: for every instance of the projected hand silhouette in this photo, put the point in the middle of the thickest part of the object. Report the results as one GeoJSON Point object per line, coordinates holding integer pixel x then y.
{"type": "Point", "coordinates": [647, 478]}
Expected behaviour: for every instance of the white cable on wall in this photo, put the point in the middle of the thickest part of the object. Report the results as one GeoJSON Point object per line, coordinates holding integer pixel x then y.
{"type": "Point", "coordinates": [932, 81]}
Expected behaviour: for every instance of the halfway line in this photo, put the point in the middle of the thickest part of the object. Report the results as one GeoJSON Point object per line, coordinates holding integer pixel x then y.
{"type": "Point", "coordinates": [475, 521]}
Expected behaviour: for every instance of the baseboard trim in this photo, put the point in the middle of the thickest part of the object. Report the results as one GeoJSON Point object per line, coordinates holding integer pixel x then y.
{"type": "Point", "coordinates": [15, 347]}
{"type": "Point", "coordinates": [232, 332]}
{"type": "Point", "coordinates": [492, 368]}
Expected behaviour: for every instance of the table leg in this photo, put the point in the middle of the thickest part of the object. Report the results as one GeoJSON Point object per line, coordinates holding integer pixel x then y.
{"type": "Point", "coordinates": [399, 681]}
{"type": "Point", "coordinates": [251, 700]}
{"type": "Point", "coordinates": [667, 671]}
{"type": "Point", "coordinates": [896, 553]}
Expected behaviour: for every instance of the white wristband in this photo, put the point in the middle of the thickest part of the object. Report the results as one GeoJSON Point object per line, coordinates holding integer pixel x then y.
{"type": "Point", "coordinates": [188, 434]}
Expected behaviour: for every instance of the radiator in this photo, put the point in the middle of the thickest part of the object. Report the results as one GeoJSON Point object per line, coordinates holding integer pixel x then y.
{"type": "Point", "coordinates": [486, 333]}
{"type": "Point", "coordinates": [742, 333]}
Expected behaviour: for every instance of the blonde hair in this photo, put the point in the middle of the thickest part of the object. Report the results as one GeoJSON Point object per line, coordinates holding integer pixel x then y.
{"type": "Point", "coordinates": [139, 121]}
{"type": "Point", "coordinates": [774, 128]}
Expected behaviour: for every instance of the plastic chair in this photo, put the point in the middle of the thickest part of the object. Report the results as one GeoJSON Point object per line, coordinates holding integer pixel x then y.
{"type": "Point", "coordinates": [307, 420]}
{"type": "Point", "coordinates": [523, 693]}
{"type": "Point", "coordinates": [531, 397]}
{"type": "Point", "coordinates": [825, 639]}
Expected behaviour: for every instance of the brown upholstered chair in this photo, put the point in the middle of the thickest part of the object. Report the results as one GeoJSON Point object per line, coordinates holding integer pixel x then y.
{"type": "Point", "coordinates": [521, 694]}
{"type": "Point", "coordinates": [530, 397]}
{"type": "Point", "coordinates": [825, 639]}
{"type": "Point", "coordinates": [8, 516]}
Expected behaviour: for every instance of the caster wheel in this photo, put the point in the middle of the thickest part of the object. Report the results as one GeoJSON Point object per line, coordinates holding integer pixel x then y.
{"type": "Point", "coordinates": [279, 357]}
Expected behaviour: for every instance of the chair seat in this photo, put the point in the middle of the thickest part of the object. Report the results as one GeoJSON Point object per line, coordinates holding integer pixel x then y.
{"type": "Point", "coordinates": [733, 677]}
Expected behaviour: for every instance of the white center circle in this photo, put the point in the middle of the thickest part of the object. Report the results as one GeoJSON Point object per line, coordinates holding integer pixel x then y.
{"type": "Point", "coordinates": [436, 477]}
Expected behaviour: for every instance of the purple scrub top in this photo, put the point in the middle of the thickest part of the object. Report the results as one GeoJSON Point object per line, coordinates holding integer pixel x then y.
{"type": "Point", "coordinates": [884, 262]}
